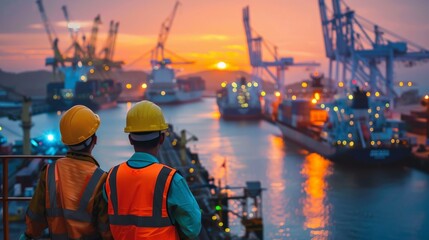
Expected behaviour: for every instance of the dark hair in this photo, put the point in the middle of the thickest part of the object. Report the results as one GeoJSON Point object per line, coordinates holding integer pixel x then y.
{"type": "Point", "coordinates": [147, 144]}
{"type": "Point", "coordinates": [87, 147]}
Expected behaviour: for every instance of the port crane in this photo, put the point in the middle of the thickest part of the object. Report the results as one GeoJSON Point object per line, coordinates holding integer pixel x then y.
{"type": "Point", "coordinates": [158, 55]}
{"type": "Point", "coordinates": [79, 53]}
{"type": "Point", "coordinates": [93, 38]}
{"type": "Point", "coordinates": [255, 43]}
{"type": "Point", "coordinates": [53, 41]}
{"type": "Point", "coordinates": [360, 49]}
{"type": "Point", "coordinates": [84, 56]}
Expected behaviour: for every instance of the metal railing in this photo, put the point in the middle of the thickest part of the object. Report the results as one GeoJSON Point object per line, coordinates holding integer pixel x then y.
{"type": "Point", "coordinates": [5, 196]}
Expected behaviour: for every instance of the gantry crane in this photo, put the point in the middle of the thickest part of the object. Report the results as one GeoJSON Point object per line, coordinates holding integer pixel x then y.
{"type": "Point", "coordinates": [158, 53]}
{"type": "Point", "coordinates": [255, 44]}
{"type": "Point", "coordinates": [357, 47]}
{"type": "Point", "coordinates": [53, 41]}
{"type": "Point", "coordinates": [93, 39]}
{"type": "Point", "coordinates": [79, 53]}
{"type": "Point", "coordinates": [107, 52]}
{"type": "Point", "coordinates": [84, 56]}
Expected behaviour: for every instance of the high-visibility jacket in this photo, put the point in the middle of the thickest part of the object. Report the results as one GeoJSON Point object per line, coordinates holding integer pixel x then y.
{"type": "Point", "coordinates": [137, 202]}
{"type": "Point", "coordinates": [70, 198]}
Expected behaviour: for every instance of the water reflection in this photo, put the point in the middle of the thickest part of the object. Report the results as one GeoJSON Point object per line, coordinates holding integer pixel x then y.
{"type": "Point", "coordinates": [129, 104]}
{"type": "Point", "coordinates": [307, 197]}
{"type": "Point", "coordinates": [276, 185]}
{"type": "Point", "coordinates": [315, 207]}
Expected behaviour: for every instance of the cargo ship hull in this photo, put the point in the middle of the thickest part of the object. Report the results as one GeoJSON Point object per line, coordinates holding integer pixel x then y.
{"type": "Point", "coordinates": [99, 103]}
{"type": "Point", "coordinates": [366, 156]}
{"type": "Point", "coordinates": [174, 97]}
{"type": "Point", "coordinates": [239, 100]}
{"type": "Point", "coordinates": [95, 94]}
{"type": "Point", "coordinates": [233, 113]}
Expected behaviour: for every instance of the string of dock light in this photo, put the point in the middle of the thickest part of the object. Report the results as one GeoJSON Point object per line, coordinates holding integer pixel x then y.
{"type": "Point", "coordinates": [218, 221]}
{"type": "Point", "coordinates": [192, 170]}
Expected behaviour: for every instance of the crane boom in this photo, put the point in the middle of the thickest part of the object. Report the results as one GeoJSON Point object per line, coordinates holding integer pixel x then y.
{"type": "Point", "coordinates": [48, 28]}
{"type": "Point", "coordinates": [66, 16]}
{"type": "Point", "coordinates": [158, 54]}
{"type": "Point", "coordinates": [259, 65]}
{"type": "Point", "coordinates": [93, 38]}
{"type": "Point", "coordinates": [358, 49]}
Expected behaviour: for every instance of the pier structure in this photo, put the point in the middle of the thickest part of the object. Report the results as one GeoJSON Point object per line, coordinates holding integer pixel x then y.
{"type": "Point", "coordinates": [214, 200]}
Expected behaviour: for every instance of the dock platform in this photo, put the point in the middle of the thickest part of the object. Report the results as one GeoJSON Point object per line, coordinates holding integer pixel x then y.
{"type": "Point", "coordinates": [212, 200]}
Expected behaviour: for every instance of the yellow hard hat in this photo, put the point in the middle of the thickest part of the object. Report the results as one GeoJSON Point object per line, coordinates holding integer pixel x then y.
{"type": "Point", "coordinates": [145, 116]}
{"type": "Point", "coordinates": [78, 124]}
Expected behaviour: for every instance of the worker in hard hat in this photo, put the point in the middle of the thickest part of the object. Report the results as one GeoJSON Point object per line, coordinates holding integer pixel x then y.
{"type": "Point", "coordinates": [147, 199]}
{"type": "Point", "coordinates": [69, 199]}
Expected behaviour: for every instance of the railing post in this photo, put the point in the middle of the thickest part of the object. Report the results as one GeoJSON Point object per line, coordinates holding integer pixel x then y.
{"type": "Point", "coordinates": [5, 198]}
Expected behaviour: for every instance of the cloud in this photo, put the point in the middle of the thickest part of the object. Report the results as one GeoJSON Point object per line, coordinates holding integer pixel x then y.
{"type": "Point", "coordinates": [81, 24]}
{"type": "Point", "coordinates": [35, 26]}
{"type": "Point", "coordinates": [211, 37]}
{"type": "Point", "coordinates": [63, 24]}
{"type": "Point", "coordinates": [241, 48]}
{"type": "Point", "coordinates": [134, 39]}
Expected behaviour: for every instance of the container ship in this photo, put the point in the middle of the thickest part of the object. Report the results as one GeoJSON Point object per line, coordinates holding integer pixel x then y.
{"type": "Point", "coordinates": [96, 94]}
{"type": "Point", "coordinates": [239, 100]}
{"type": "Point", "coordinates": [164, 88]}
{"type": "Point", "coordinates": [352, 129]}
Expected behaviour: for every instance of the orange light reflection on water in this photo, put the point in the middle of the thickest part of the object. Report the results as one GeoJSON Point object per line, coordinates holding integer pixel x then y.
{"type": "Point", "coordinates": [276, 185]}
{"type": "Point", "coordinates": [215, 114]}
{"type": "Point", "coordinates": [316, 213]}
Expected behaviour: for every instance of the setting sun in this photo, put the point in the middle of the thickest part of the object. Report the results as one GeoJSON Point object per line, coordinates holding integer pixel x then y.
{"type": "Point", "coordinates": [221, 65]}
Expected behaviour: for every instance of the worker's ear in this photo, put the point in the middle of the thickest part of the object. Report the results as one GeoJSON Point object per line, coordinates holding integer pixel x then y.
{"type": "Point", "coordinates": [161, 138]}
{"type": "Point", "coordinates": [131, 141]}
{"type": "Point", "coordinates": [95, 139]}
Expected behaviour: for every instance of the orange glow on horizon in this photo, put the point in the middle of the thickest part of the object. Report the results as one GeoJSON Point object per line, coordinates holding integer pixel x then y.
{"type": "Point", "coordinates": [205, 33]}
{"type": "Point", "coordinates": [221, 65]}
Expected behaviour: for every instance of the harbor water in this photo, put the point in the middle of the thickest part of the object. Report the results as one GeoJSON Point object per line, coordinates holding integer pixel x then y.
{"type": "Point", "coordinates": [306, 196]}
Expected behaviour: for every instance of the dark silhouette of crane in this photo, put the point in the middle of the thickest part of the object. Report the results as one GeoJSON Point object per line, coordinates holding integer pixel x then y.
{"type": "Point", "coordinates": [360, 49]}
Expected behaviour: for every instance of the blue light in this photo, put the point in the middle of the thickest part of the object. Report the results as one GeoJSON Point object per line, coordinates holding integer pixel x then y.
{"type": "Point", "coordinates": [50, 137]}
{"type": "Point", "coordinates": [34, 143]}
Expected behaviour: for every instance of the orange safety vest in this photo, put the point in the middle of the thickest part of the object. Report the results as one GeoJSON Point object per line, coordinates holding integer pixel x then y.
{"type": "Point", "coordinates": [137, 205]}
{"type": "Point", "coordinates": [70, 191]}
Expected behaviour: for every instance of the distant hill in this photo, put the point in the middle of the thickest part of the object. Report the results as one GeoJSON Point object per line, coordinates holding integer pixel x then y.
{"type": "Point", "coordinates": [213, 79]}
{"type": "Point", "coordinates": [33, 83]}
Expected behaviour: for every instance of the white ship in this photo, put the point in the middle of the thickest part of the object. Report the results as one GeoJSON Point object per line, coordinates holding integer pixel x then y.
{"type": "Point", "coordinates": [164, 88]}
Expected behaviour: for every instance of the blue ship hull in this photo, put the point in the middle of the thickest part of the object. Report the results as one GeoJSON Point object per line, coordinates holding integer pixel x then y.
{"type": "Point", "coordinates": [231, 113]}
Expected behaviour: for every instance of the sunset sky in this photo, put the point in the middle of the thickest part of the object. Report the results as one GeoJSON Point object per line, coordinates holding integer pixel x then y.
{"type": "Point", "coordinates": [204, 31]}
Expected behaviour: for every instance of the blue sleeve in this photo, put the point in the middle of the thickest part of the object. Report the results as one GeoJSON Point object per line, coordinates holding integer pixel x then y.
{"type": "Point", "coordinates": [183, 208]}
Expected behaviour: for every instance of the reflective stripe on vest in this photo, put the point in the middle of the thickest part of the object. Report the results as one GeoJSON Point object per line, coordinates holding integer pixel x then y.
{"type": "Point", "coordinates": [80, 214]}
{"type": "Point", "coordinates": [156, 220]}
{"type": "Point", "coordinates": [65, 236]}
